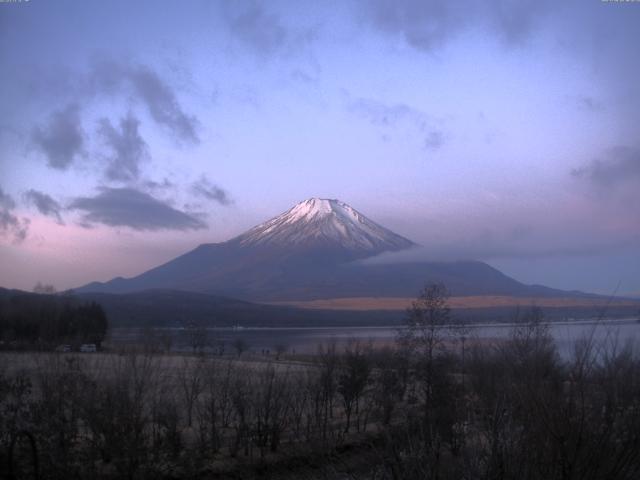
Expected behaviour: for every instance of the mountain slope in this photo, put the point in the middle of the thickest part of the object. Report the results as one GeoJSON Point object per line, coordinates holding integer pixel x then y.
{"type": "Point", "coordinates": [312, 251]}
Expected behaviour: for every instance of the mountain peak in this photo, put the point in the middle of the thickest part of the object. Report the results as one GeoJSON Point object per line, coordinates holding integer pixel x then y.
{"type": "Point", "coordinates": [328, 223]}
{"type": "Point", "coordinates": [312, 208]}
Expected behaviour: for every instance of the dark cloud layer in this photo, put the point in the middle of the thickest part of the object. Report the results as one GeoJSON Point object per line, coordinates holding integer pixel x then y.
{"type": "Point", "coordinates": [128, 148]}
{"type": "Point", "coordinates": [585, 103]}
{"type": "Point", "coordinates": [111, 77]}
{"type": "Point", "coordinates": [61, 139]}
{"type": "Point", "coordinates": [429, 24]}
{"type": "Point", "coordinates": [515, 20]}
{"type": "Point", "coordinates": [259, 29]}
{"type": "Point", "coordinates": [162, 103]}
{"type": "Point", "coordinates": [389, 116]}
{"type": "Point", "coordinates": [620, 166]}
{"type": "Point", "coordinates": [127, 207]}
{"type": "Point", "coordinates": [262, 31]}
{"type": "Point", "coordinates": [155, 185]}
{"type": "Point", "coordinates": [205, 189]}
{"type": "Point", "coordinates": [45, 204]}
{"type": "Point", "coordinates": [424, 25]}
{"type": "Point", "coordinates": [10, 225]}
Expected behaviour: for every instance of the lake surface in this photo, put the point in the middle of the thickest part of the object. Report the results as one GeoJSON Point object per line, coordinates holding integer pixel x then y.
{"type": "Point", "coordinates": [307, 340]}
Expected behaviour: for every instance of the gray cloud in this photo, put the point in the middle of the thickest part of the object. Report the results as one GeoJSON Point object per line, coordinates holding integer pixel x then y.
{"type": "Point", "coordinates": [10, 224]}
{"type": "Point", "coordinates": [423, 24]}
{"type": "Point", "coordinates": [259, 29]}
{"type": "Point", "coordinates": [62, 138]}
{"type": "Point", "coordinates": [127, 146]}
{"type": "Point", "coordinates": [584, 103]}
{"type": "Point", "coordinates": [389, 116]}
{"type": "Point", "coordinates": [429, 24]}
{"type": "Point", "coordinates": [263, 31]}
{"type": "Point", "coordinates": [163, 185]}
{"type": "Point", "coordinates": [489, 247]}
{"type": "Point", "coordinates": [45, 204]}
{"type": "Point", "coordinates": [111, 77]}
{"type": "Point", "coordinates": [127, 207]}
{"type": "Point", "coordinates": [621, 166]}
{"type": "Point", "coordinates": [515, 20]}
{"type": "Point", "coordinates": [434, 140]}
{"type": "Point", "coordinates": [162, 103]}
{"type": "Point", "coordinates": [205, 189]}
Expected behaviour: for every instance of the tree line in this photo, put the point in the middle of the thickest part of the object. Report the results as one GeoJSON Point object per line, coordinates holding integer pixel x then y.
{"type": "Point", "coordinates": [46, 320]}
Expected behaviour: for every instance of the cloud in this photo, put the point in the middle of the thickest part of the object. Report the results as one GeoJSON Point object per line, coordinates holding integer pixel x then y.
{"type": "Point", "coordinates": [62, 138]}
{"type": "Point", "coordinates": [388, 116]}
{"type": "Point", "coordinates": [584, 103]}
{"type": "Point", "coordinates": [110, 77]}
{"type": "Point", "coordinates": [429, 24]}
{"type": "Point", "coordinates": [10, 224]}
{"type": "Point", "coordinates": [259, 29]}
{"type": "Point", "coordinates": [434, 140]}
{"type": "Point", "coordinates": [506, 241]}
{"type": "Point", "coordinates": [45, 204]}
{"type": "Point", "coordinates": [162, 104]}
{"type": "Point", "coordinates": [588, 103]}
{"type": "Point", "coordinates": [620, 167]}
{"type": "Point", "coordinates": [263, 32]}
{"type": "Point", "coordinates": [127, 207]}
{"type": "Point", "coordinates": [423, 24]}
{"type": "Point", "coordinates": [127, 146]}
{"type": "Point", "coordinates": [163, 185]}
{"type": "Point", "coordinates": [205, 189]}
{"type": "Point", "coordinates": [514, 21]}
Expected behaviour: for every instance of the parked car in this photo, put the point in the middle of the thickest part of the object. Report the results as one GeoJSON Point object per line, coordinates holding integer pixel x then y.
{"type": "Point", "coordinates": [88, 348]}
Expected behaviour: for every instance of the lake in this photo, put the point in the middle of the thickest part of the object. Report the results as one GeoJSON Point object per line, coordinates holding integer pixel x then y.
{"type": "Point", "coordinates": [306, 340]}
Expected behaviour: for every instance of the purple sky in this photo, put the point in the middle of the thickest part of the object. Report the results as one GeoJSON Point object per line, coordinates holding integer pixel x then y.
{"type": "Point", "coordinates": [504, 130]}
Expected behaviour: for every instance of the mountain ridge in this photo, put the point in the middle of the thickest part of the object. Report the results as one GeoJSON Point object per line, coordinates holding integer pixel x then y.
{"type": "Point", "coordinates": [313, 251]}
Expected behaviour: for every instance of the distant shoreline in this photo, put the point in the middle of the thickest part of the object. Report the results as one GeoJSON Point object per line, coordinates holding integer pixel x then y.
{"type": "Point", "coordinates": [457, 302]}
{"type": "Point", "coordinates": [610, 321]}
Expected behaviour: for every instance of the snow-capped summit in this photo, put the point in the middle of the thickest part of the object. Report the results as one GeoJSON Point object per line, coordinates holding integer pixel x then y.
{"type": "Point", "coordinates": [328, 223]}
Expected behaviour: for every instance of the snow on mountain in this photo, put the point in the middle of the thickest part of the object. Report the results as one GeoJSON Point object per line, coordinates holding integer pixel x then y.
{"type": "Point", "coordinates": [324, 222]}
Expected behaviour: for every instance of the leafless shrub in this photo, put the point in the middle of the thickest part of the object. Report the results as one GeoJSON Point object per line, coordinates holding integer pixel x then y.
{"type": "Point", "coordinates": [514, 409]}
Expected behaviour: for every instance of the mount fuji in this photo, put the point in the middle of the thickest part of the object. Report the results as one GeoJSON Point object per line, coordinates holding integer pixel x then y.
{"type": "Point", "coordinates": [314, 251]}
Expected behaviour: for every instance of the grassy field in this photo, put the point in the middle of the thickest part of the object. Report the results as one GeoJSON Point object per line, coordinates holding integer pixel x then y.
{"type": "Point", "coordinates": [486, 301]}
{"type": "Point", "coordinates": [434, 406]}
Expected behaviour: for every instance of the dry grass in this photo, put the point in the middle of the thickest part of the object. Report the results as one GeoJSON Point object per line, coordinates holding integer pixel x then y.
{"type": "Point", "coordinates": [489, 301]}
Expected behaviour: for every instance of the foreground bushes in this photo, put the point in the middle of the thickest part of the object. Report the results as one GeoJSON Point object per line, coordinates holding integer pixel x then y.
{"type": "Point", "coordinates": [500, 411]}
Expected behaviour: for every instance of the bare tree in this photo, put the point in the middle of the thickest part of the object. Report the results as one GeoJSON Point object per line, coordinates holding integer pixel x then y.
{"type": "Point", "coordinates": [240, 397]}
{"type": "Point", "coordinates": [352, 380]}
{"type": "Point", "coordinates": [280, 349]}
{"type": "Point", "coordinates": [240, 346]}
{"type": "Point", "coordinates": [424, 337]}
{"type": "Point", "coordinates": [425, 321]}
{"type": "Point", "coordinates": [271, 405]}
{"type": "Point", "coordinates": [45, 289]}
{"type": "Point", "coordinates": [390, 381]}
{"type": "Point", "coordinates": [216, 408]}
{"type": "Point", "coordinates": [197, 336]}
{"type": "Point", "coordinates": [328, 362]}
{"type": "Point", "coordinates": [190, 377]}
